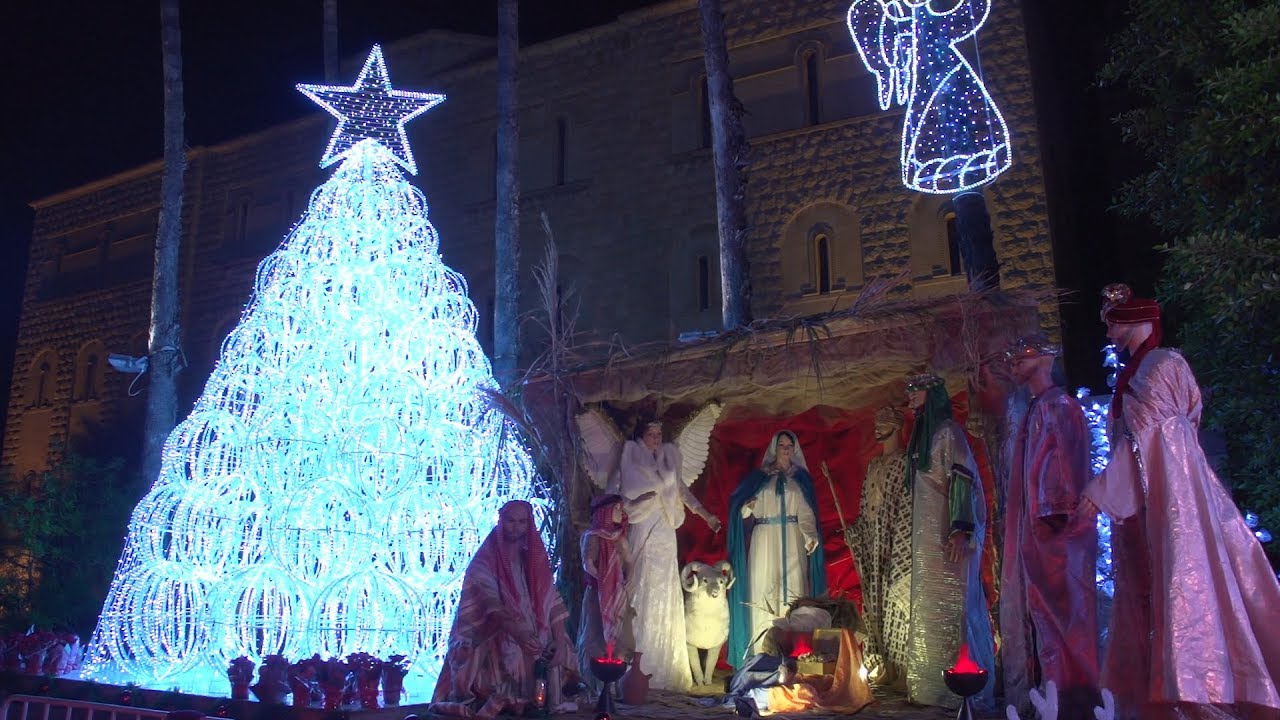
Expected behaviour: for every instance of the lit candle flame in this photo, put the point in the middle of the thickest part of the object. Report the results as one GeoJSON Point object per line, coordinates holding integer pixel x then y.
{"type": "Point", "coordinates": [964, 663]}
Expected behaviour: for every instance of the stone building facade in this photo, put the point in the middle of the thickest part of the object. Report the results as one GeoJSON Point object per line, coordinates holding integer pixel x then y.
{"type": "Point", "coordinates": [614, 150]}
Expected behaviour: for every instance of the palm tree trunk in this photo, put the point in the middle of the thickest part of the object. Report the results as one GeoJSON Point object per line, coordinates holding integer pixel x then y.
{"type": "Point", "coordinates": [330, 41]}
{"type": "Point", "coordinates": [729, 150]}
{"type": "Point", "coordinates": [506, 306]}
{"type": "Point", "coordinates": [164, 345]}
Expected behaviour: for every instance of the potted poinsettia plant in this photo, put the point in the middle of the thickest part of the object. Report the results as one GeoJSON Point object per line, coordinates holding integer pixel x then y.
{"type": "Point", "coordinates": [240, 673]}
{"type": "Point", "coordinates": [10, 656]}
{"type": "Point", "coordinates": [367, 670]}
{"type": "Point", "coordinates": [32, 647]}
{"type": "Point", "coordinates": [304, 680]}
{"type": "Point", "coordinates": [333, 680]}
{"type": "Point", "coordinates": [394, 669]}
{"type": "Point", "coordinates": [72, 653]}
{"type": "Point", "coordinates": [273, 680]}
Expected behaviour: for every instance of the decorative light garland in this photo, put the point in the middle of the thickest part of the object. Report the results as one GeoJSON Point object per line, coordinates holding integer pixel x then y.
{"type": "Point", "coordinates": [953, 136]}
{"type": "Point", "coordinates": [1251, 519]}
{"type": "Point", "coordinates": [1095, 412]}
{"type": "Point", "coordinates": [344, 462]}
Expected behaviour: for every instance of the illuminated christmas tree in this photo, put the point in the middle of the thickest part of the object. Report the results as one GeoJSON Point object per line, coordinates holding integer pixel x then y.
{"type": "Point", "coordinates": [344, 461]}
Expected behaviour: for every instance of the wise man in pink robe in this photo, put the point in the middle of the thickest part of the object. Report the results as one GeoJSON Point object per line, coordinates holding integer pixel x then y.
{"type": "Point", "coordinates": [1048, 598]}
{"type": "Point", "coordinates": [1195, 627]}
{"type": "Point", "coordinates": [510, 615]}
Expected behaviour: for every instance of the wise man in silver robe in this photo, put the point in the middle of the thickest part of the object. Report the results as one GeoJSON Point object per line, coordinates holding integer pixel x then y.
{"type": "Point", "coordinates": [949, 526]}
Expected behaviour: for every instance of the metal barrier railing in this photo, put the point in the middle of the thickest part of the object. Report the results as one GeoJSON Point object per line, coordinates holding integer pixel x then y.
{"type": "Point", "coordinates": [33, 707]}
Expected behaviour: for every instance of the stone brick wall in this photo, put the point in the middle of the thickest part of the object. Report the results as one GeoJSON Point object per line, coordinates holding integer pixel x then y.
{"type": "Point", "coordinates": [630, 197]}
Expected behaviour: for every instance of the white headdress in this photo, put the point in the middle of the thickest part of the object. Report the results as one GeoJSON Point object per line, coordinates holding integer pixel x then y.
{"type": "Point", "coordinates": [771, 454]}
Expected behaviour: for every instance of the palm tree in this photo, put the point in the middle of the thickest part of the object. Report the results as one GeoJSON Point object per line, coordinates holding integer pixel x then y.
{"type": "Point", "coordinates": [729, 150]}
{"type": "Point", "coordinates": [165, 343]}
{"type": "Point", "coordinates": [506, 251]}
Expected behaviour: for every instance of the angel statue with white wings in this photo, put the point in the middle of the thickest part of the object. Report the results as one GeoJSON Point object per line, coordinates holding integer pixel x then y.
{"type": "Point", "coordinates": [953, 136]}
{"type": "Point", "coordinates": [654, 478]}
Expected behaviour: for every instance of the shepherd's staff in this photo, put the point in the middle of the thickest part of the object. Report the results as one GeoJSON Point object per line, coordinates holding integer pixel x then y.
{"type": "Point", "coordinates": [844, 529]}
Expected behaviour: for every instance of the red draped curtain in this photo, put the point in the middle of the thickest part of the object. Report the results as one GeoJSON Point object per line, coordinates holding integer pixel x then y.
{"type": "Point", "coordinates": [845, 440]}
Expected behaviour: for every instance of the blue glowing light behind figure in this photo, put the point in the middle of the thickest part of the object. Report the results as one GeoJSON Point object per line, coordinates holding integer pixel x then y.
{"type": "Point", "coordinates": [953, 136]}
{"type": "Point", "coordinates": [1095, 412]}
{"type": "Point", "coordinates": [344, 461]}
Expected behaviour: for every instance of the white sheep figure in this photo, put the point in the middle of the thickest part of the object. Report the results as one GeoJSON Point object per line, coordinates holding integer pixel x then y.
{"type": "Point", "coordinates": [706, 615]}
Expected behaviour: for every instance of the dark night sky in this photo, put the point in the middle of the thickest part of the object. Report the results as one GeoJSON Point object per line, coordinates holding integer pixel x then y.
{"type": "Point", "coordinates": [83, 86]}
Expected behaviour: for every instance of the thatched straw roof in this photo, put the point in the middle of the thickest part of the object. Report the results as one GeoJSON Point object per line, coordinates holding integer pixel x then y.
{"type": "Point", "coordinates": [843, 359]}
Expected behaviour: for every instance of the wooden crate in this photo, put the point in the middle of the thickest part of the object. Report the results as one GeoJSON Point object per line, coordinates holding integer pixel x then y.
{"type": "Point", "coordinates": [805, 667]}
{"type": "Point", "coordinates": [826, 643]}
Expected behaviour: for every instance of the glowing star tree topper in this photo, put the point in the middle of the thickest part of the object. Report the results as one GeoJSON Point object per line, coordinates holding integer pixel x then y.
{"type": "Point", "coordinates": [370, 109]}
{"type": "Point", "coordinates": [953, 136]}
{"type": "Point", "coordinates": [344, 460]}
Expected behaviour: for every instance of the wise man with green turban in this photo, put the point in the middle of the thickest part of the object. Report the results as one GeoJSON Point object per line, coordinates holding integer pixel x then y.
{"type": "Point", "coordinates": [949, 525]}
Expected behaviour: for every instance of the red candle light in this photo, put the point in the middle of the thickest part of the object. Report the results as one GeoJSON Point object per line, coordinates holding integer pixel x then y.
{"type": "Point", "coordinates": [801, 644]}
{"type": "Point", "coordinates": [966, 679]}
{"type": "Point", "coordinates": [965, 664]}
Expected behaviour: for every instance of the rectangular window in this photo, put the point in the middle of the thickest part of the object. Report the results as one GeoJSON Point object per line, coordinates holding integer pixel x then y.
{"type": "Point", "coordinates": [704, 108]}
{"type": "Point", "coordinates": [704, 283]}
{"type": "Point", "coordinates": [242, 221]}
{"type": "Point", "coordinates": [562, 137]}
{"type": "Point", "coordinates": [813, 98]}
{"type": "Point", "coordinates": [953, 246]}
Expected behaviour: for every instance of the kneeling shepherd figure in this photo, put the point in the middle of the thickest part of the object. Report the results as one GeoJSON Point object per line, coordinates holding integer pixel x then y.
{"type": "Point", "coordinates": [510, 616]}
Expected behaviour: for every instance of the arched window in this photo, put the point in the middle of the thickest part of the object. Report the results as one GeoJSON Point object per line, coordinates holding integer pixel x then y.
{"type": "Point", "coordinates": [821, 257]}
{"type": "Point", "coordinates": [42, 388]}
{"type": "Point", "coordinates": [90, 374]}
{"type": "Point", "coordinates": [41, 379]}
{"type": "Point", "coordinates": [937, 266]}
{"type": "Point", "coordinates": [821, 273]}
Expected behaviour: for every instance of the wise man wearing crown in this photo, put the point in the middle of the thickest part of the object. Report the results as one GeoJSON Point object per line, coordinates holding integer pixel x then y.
{"type": "Point", "coordinates": [1195, 626]}
{"type": "Point", "coordinates": [1048, 597]}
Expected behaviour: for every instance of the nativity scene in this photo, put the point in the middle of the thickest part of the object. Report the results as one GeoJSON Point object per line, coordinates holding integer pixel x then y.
{"type": "Point", "coordinates": [834, 531]}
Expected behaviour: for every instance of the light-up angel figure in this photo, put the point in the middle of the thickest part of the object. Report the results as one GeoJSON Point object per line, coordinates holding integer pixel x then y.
{"type": "Point", "coordinates": [953, 136]}
{"type": "Point", "coordinates": [654, 477]}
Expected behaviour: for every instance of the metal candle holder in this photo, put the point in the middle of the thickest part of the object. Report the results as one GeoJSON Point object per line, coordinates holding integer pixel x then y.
{"type": "Point", "coordinates": [607, 670]}
{"type": "Point", "coordinates": [966, 684]}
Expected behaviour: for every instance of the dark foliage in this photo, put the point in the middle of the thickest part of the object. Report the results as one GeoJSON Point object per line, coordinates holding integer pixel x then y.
{"type": "Point", "coordinates": [1206, 82]}
{"type": "Point", "coordinates": [60, 538]}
